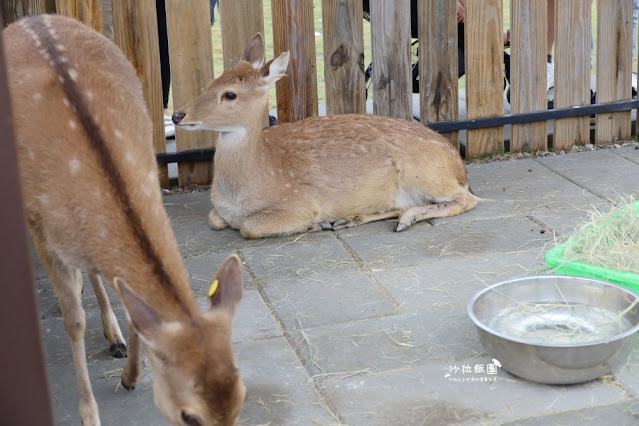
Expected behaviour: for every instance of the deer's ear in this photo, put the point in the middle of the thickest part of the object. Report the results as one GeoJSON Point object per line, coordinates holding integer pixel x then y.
{"type": "Point", "coordinates": [275, 69]}
{"type": "Point", "coordinates": [254, 51]}
{"type": "Point", "coordinates": [226, 287]}
{"type": "Point", "coordinates": [144, 319]}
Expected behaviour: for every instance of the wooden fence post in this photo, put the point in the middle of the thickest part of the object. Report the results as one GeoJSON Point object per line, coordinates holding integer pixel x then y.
{"type": "Point", "coordinates": [88, 12]}
{"type": "Point", "coordinates": [343, 27]}
{"type": "Point", "coordinates": [614, 52]}
{"type": "Point", "coordinates": [484, 74]}
{"type": "Point", "coordinates": [390, 35]}
{"type": "Point", "coordinates": [241, 20]}
{"type": "Point", "coordinates": [135, 31]}
{"type": "Point", "coordinates": [573, 28]}
{"type": "Point", "coordinates": [191, 58]}
{"type": "Point", "coordinates": [529, 25]}
{"type": "Point", "coordinates": [438, 67]}
{"type": "Point", "coordinates": [293, 31]}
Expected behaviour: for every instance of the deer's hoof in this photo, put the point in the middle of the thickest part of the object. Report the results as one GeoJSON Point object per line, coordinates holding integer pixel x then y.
{"type": "Point", "coordinates": [325, 225]}
{"type": "Point", "coordinates": [401, 226]}
{"type": "Point", "coordinates": [342, 223]}
{"type": "Point", "coordinates": [127, 387]}
{"type": "Point", "coordinates": [118, 350]}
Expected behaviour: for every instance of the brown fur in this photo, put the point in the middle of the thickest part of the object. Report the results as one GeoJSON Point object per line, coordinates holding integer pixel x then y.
{"type": "Point", "coordinates": [322, 172]}
{"type": "Point", "coordinates": [92, 202]}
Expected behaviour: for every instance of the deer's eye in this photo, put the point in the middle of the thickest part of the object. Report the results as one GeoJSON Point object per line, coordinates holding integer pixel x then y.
{"type": "Point", "coordinates": [190, 419]}
{"type": "Point", "coordinates": [229, 96]}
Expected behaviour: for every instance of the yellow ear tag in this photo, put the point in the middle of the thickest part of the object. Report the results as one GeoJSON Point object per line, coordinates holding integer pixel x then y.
{"type": "Point", "coordinates": [213, 287]}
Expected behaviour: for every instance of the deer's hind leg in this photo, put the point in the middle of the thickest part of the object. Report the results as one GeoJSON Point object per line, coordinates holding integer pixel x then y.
{"type": "Point", "coordinates": [112, 332]}
{"type": "Point", "coordinates": [67, 284]}
{"type": "Point", "coordinates": [459, 203]}
{"type": "Point", "coordinates": [268, 223]}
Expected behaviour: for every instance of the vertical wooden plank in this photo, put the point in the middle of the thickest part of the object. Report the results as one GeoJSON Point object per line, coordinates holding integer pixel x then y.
{"type": "Point", "coordinates": [191, 57]}
{"type": "Point", "coordinates": [135, 31]}
{"type": "Point", "coordinates": [25, 393]}
{"type": "Point", "coordinates": [241, 20]}
{"type": "Point", "coordinates": [90, 12]}
{"type": "Point", "coordinates": [67, 8]}
{"type": "Point", "coordinates": [438, 67]}
{"type": "Point", "coordinates": [343, 28]}
{"type": "Point", "coordinates": [484, 74]}
{"type": "Point", "coordinates": [10, 11]}
{"type": "Point", "coordinates": [33, 7]}
{"type": "Point", "coordinates": [293, 31]}
{"type": "Point", "coordinates": [390, 39]}
{"type": "Point", "coordinates": [572, 70]}
{"type": "Point", "coordinates": [49, 6]}
{"type": "Point", "coordinates": [614, 68]}
{"type": "Point", "coordinates": [529, 23]}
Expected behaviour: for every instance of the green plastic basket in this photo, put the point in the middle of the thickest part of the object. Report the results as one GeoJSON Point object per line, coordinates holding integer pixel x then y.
{"type": "Point", "coordinates": [555, 259]}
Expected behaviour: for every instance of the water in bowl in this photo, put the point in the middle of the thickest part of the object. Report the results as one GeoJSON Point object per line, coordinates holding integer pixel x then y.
{"type": "Point", "coordinates": [558, 323]}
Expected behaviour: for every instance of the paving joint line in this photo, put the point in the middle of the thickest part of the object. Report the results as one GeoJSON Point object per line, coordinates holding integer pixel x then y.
{"type": "Point", "coordinates": [574, 182]}
{"type": "Point", "coordinates": [330, 409]}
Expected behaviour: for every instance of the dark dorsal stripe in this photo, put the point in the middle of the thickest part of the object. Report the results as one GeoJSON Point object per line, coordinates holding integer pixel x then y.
{"type": "Point", "coordinates": [104, 156]}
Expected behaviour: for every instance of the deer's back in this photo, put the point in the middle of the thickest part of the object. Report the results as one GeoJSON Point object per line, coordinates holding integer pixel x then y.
{"type": "Point", "coordinates": [79, 146]}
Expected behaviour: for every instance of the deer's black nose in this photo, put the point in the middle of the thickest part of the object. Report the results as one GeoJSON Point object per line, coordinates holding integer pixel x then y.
{"type": "Point", "coordinates": [178, 116]}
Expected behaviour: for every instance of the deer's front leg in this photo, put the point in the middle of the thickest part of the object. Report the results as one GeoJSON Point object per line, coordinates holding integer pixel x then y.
{"type": "Point", "coordinates": [131, 371]}
{"type": "Point", "coordinates": [276, 222]}
{"type": "Point", "coordinates": [216, 221]}
{"type": "Point", "coordinates": [67, 287]}
{"type": "Point", "coordinates": [112, 332]}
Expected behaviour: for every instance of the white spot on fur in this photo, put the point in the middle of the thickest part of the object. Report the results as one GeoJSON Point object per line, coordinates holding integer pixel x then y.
{"type": "Point", "coordinates": [73, 74]}
{"type": "Point", "coordinates": [117, 133]}
{"type": "Point", "coordinates": [129, 157]}
{"type": "Point", "coordinates": [291, 173]}
{"type": "Point", "coordinates": [65, 102]}
{"type": "Point", "coordinates": [89, 95]}
{"type": "Point", "coordinates": [74, 166]}
{"type": "Point", "coordinates": [30, 154]}
{"type": "Point", "coordinates": [72, 124]}
{"type": "Point", "coordinates": [272, 172]}
{"type": "Point", "coordinates": [102, 233]}
{"type": "Point", "coordinates": [43, 198]}
{"type": "Point", "coordinates": [287, 185]}
{"type": "Point", "coordinates": [152, 175]}
{"type": "Point", "coordinates": [37, 96]}
{"type": "Point", "coordinates": [280, 171]}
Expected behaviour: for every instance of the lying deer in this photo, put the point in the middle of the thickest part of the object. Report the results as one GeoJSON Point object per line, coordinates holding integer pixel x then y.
{"type": "Point", "coordinates": [322, 172]}
{"type": "Point", "coordinates": [93, 203]}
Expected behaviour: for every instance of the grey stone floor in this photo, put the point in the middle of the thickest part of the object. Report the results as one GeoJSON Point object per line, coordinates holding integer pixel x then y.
{"type": "Point", "coordinates": [366, 326]}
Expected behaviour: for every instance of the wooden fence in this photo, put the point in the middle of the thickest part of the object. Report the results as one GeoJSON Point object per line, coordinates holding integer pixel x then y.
{"type": "Point", "coordinates": [191, 62]}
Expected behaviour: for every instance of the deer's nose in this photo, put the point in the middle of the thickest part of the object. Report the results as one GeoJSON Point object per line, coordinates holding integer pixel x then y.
{"type": "Point", "coordinates": [178, 116]}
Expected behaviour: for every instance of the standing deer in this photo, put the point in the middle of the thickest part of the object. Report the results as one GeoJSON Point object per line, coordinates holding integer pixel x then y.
{"type": "Point", "coordinates": [321, 172]}
{"type": "Point", "coordinates": [92, 202]}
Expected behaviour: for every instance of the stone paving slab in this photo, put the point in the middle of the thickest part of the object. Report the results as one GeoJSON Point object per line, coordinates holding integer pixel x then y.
{"type": "Point", "coordinates": [362, 326]}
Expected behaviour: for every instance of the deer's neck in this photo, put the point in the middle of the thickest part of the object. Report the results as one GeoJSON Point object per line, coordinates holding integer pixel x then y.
{"type": "Point", "coordinates": [239, 156]}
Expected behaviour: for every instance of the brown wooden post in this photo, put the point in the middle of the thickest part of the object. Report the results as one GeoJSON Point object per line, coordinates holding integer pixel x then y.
{"type": "Point", "coordinates": [390, 40]}
{"type": "Point", "coordinates": [33, 7]}
{"type": "Point", "coordinates": [241, 20]}
{"type": "Point", "coordinates": [484, 74]}
{"type": "Point", "coordinates": [573, 28]}
{"type": "Point", "coordinates": [49, 6]}
{"type": "Point", "coordinates": [614, 68]}
{"type": "Point", "coordinates": [68, 8]}
{"type": "Point", "coordinates": [92, 14]}
{"type": "Point", "coordinates": [191, 58]}
{"type": "Point", "coordinates": [342, 23]}
{"type": "Point", "coordinates": [529, 19]}
{"type": "Point", "coordinates": [135, 31]}
{"type": "Point", "coordinates": [25, 394]}
{"type": "Point", "coordinates": [438, 68]}
{"type": "Point", "coordinates": [10, 11]}
{"type": "Point", "coordinates": [293, 31]}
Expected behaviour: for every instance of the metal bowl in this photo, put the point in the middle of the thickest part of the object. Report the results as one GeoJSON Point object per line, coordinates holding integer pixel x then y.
{"type": "Point", "coordinates": [557, 329]}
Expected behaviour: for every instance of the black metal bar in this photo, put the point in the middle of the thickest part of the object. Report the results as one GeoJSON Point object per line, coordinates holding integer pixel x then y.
{"type": "Point", "coordinates": [191, 155]}
{"type": "Point", "coordinates": [452, 126]}
{"type": "Point", "coordinates": [529, 117]}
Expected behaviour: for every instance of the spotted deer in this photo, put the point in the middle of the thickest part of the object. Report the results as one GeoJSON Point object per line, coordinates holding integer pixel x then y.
{"type": "Point", "coordinates": [93, 203]}
{"type": "Point", "coordinates": [322, 172]}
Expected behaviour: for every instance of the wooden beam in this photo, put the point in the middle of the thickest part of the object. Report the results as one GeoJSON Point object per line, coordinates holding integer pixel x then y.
{"type": "Point", "coordinates": [438, 63]}
{"type": "Point", "coordinates": [484, 74]}
{"type": "Point", "coordinates": [293, 31]}
{"type": "Point", "coordinates": [573, 28]}
{"type": "Point", "coordinates": [343, 28]}
{"type": "Point", "coordinates": [191, 57]}
{"type": "Point", "coordinates": [390, 40]}
{"type": "Point", "coordinates": [135, 32]}
{"type": "Point", "coordinates": [241, 20]}
{"type": "Point", "coordinates": [528, 89]}
{"type": "Point", "coordinates": [614, 68]}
